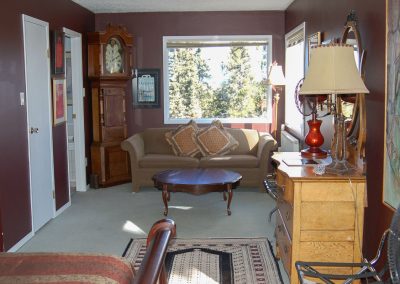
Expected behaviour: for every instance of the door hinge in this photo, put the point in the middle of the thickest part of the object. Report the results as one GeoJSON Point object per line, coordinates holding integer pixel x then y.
{"type": "Point", "coordinates": [74, 115]}
{"type": "Point", "coordinates": [54, 194]}
{"type": "Point", "coordinates": [48, 53]}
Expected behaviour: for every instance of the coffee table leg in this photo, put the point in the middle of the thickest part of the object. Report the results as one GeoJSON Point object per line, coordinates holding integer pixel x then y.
{"type": "Point", "coordinates": [165, 197]}
{"type": "Point", "coordinates": [230, 194]}
{"type": "Point", "coordinates": [224, 195]}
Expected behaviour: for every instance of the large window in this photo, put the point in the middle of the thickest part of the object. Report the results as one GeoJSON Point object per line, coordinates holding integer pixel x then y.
{"type": "Point", "coordinates": [209, 77]}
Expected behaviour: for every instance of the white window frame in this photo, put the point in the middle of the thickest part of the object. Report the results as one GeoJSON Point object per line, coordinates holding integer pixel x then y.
{"type": "Point", "coordinates": [290, 109]}
{"type": "Point", "coordinates": [168, 120]}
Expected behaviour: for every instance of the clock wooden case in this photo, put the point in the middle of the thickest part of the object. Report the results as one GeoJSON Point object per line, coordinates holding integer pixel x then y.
{"type": "Point", "coordinates": [109, 71]}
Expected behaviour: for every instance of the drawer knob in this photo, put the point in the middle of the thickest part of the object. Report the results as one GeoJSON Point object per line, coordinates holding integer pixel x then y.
{"type": "Point", "coordinates": [285, 249]}
{"type": "Point", "coordinates": [279, 228]}
{"type": "Point", "coordinates": [280, 187]}
{"type": "Point", "coordinates": [287, 216]}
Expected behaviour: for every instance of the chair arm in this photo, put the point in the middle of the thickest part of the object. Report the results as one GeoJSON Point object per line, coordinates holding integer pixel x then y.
{"type": "Point", "coordinates": [152, 267]}
{"type": "Point", "coordinates": [266, 145]}
{"type": "Point", "coordinates": [135, 147]}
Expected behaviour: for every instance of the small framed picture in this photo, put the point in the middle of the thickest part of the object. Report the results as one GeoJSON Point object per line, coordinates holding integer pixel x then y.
{"type": "Point", "coordinates": [57, 58]}
{"type": "Point", "coordinates": [146, 88]}
{"type": "Point", "coordinates": [59, 101]}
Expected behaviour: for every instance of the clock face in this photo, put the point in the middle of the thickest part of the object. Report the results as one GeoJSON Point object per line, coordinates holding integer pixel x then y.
{"type": "Point", "coordinates": [114, 56]}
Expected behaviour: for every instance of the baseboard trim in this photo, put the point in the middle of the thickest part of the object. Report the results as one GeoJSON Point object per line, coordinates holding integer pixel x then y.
{"type": "Point", "coordinates": [23, 241]}
{"type": "Point", "coordinates": [62, 209]}
{"type": "Point", "coordinates": [82, 189]}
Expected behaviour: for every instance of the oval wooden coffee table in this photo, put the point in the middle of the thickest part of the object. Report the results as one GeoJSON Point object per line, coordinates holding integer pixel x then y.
{"type": "Point", "coordinates": [197, 181]}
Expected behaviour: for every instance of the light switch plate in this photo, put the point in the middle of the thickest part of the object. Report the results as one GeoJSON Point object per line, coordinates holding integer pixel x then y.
{"type": "Point", "coordinates": [22, 98]}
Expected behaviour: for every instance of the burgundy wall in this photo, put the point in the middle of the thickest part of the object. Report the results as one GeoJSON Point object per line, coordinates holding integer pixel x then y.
{"type": "Point", "coordinates": [14, 172]}
{"type": "Point", "coordinates": [60, 153]}
{"type": "Point", "coordinates": [149, 28]}
{"type": "Point", "coordinates": [329, 17]}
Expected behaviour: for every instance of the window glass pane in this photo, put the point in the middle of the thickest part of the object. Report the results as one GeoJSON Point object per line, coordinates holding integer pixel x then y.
{"type": "Point", "coordinates": [209, 79]}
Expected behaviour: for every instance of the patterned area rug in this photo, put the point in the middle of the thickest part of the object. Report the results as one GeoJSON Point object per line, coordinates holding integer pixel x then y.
{"type": "Point", "coordinates": [201, 261]}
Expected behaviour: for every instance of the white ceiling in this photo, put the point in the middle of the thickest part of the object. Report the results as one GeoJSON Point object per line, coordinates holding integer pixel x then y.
{"type": "Point", "coordinates": [124, 6]}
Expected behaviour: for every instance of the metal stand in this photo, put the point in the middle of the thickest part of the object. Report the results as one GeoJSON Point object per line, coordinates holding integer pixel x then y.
{"type": "Point", "coordinates": [367, 269]}
{"type": "Point", "coordinates": [276, 98]}
{"type": "Point", "coordinates": [340, 165]}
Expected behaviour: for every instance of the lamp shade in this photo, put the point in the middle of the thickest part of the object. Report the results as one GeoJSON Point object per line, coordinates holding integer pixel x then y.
{"type": "Point", "coordinates": [275, 76]}
{"type": "Point", "coordinates": [332, 70]}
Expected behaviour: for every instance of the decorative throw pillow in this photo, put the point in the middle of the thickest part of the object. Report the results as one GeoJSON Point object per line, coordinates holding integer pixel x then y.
{"type": "Point", "coordinates": [181, 140]}
{"type": "Point", "coordinates": [215, 140]}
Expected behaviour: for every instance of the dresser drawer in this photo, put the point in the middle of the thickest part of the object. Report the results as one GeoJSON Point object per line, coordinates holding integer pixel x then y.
{"type": "Point", "coordinates": [286, 213]}
{"type": "Point", "coordinates": [286, 187]}
{"type": "Point", "coordinates": [327, 216]}
{"type": "Point", "coordinates": [326, 251]}
{"type": "Point", "coordinates": [333, 191]}
{"type": "Point", "coordinates": [284, 244]}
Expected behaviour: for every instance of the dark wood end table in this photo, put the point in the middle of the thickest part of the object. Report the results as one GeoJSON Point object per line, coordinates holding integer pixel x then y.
{"type": "Point", "coordinates": [197, 181]}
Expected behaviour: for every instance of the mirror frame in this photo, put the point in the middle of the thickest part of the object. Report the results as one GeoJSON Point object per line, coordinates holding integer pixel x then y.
{"type": "Point", "coordinates": [356, 131]}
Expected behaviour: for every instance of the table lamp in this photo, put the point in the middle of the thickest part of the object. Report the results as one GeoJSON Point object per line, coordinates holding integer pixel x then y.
{"type": "Point", "coordinates": [276, 79]}
{"type": "Point", "coordinates": [333, 71]}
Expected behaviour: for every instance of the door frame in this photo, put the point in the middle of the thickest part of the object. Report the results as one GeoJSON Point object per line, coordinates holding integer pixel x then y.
{"type": "Point", "coordinates": [25, 19]}
{"type": "Point", "coordinates": [77, 100]}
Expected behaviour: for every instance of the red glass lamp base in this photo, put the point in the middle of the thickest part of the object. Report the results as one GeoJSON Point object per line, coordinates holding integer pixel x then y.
{"type": "Point", "coordinates": [314, 139]}
{"type": "Point", "coordinates": [314, 152]}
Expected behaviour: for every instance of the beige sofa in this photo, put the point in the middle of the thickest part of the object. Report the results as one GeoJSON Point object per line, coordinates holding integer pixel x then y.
{"type": "Point", "coordinates": [150, 153]}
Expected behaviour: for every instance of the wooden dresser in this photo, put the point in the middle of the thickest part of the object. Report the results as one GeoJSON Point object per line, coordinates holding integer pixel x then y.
{"type": "Point", "coordinates": [319, 217]}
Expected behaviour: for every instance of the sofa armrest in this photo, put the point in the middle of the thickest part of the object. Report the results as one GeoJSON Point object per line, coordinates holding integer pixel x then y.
{"type": "Point", "coordinates": [135, 147]}
{"type": "Point", "coordinates": [266, 145]}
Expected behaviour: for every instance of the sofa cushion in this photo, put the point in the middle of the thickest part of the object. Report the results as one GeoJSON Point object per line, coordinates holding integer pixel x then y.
{"type": "Point", "coordinates": [154, 141]}
{"type": "Point", "coordinates": [229, 161]}
{"type": "Point", "coordinates": [215, 140]}
{"type": "Point", "coordinates": [248, 140]}
{"type": "Point", "coordinates": [181, 139]}
{"type": "Point", "coordinates": [167, 161]}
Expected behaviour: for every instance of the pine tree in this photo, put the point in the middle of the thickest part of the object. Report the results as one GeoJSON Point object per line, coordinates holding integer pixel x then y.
{"type": "Point", "coordinates": [188, 73]}
{"type": "Point", "coordinates": [190, 95]}
{"type": "Point", "coordinates": [238, 70]}
{"type": "Point", "coordinates": [240, 94]}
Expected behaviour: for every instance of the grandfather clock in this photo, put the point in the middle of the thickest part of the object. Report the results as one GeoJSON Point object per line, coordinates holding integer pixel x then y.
{"type": "Point", "coordinates": [109, 71]}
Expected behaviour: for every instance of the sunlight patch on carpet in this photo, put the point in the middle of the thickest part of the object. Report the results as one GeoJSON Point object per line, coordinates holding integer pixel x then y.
{"type": "Point", "coordinates": [180, 207]}
{"type": "Point", "coordinates": [131, 227]}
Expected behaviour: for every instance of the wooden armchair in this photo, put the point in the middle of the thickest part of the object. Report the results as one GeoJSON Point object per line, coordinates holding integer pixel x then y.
{"type": "Point", "coordinates": [152, 267]}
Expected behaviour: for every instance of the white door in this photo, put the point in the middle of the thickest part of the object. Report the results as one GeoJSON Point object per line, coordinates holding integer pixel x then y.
{"type": "Point", "coordinates": [77, 115]}
{"type": "Point", "coordinates": [38, 100]}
